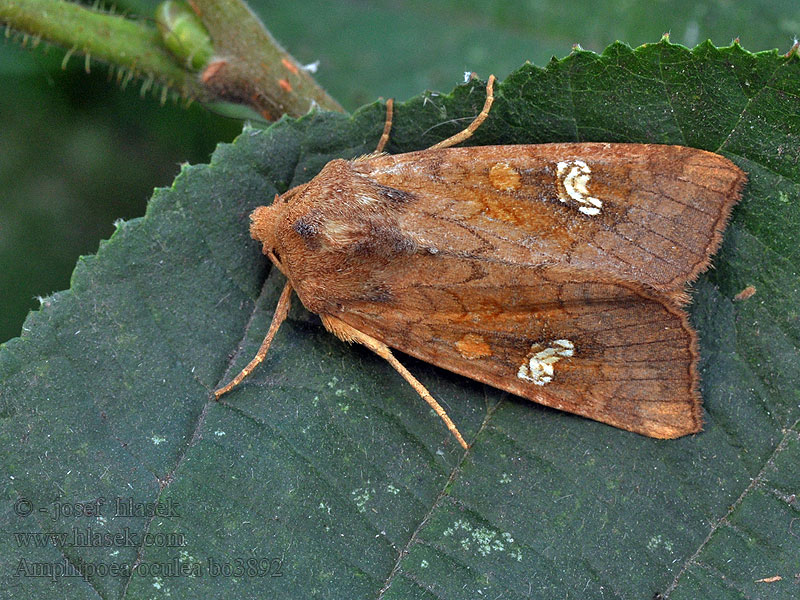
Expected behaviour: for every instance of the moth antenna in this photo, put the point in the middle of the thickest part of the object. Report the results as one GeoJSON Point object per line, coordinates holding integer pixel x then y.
{"type": "Point", "coordinates": [349, 334]}
{"type": "Point", "coordinates": [281, 312]}
{"type": "Point", "coordinates": [387, 126]}
{"type": "Point", "coordinates": [467, 133]}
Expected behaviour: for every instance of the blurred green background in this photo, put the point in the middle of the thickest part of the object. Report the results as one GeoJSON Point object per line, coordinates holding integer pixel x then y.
{"type": "Point", "coordinates": [77, 152]}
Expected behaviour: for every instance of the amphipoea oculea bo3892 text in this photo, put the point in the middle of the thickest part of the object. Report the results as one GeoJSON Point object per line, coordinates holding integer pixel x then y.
{"type": "Point", "coordinates": [556, 272]}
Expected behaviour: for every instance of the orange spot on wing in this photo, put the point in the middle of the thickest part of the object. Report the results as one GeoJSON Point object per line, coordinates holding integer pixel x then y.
{"type": "Point", "coordinates": [285, 85]}
{"type": "Point", "coordinates": [504, 177]}
{"type": "Point", "coordinates": [473, 346]}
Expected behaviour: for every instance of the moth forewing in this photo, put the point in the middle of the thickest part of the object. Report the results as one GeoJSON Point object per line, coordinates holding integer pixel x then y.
{"type": "Point", "coordinates": [554, 271]}
{"type": "Point", "coordinates": [646, 213]}
{"type": "Point", "coordinates": [607, 350]}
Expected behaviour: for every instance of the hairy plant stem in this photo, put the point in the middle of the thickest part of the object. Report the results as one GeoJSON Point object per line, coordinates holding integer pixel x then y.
{"type": "Point", "coordinates": [248, 67]}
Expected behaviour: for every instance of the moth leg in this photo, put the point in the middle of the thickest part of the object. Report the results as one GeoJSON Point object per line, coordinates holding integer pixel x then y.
{"type": "Point", "coordinates": [387, 126]}
{"type": "Point", "coordinates": [349, 334]}
{"type": "Point", "coordinates": [467, 133]}
{"type": "Point", "coordinates": [281, 311]}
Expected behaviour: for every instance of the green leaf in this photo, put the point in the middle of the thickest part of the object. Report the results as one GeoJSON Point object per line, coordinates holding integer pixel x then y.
{"type": "Point", "coordinates": [326, 469]}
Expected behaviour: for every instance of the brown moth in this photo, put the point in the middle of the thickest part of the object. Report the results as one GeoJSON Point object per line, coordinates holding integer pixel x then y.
{"type": "Point", "coordinates": [556, 272]}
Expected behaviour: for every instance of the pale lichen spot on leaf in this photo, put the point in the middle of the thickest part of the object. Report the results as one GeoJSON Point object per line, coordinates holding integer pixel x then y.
{"type": "Point", "coordinates": [482, 540]}
{"type": "Point", "coordinates": [361, 496]}
{"type": "Point", "coordinates": [655, 542]}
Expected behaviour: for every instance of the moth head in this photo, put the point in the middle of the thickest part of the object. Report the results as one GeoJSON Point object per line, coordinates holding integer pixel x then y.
{"type": "Point", "coordinates": [266, 222]}
{"type": "Point", "coordinates": [263, 223]}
